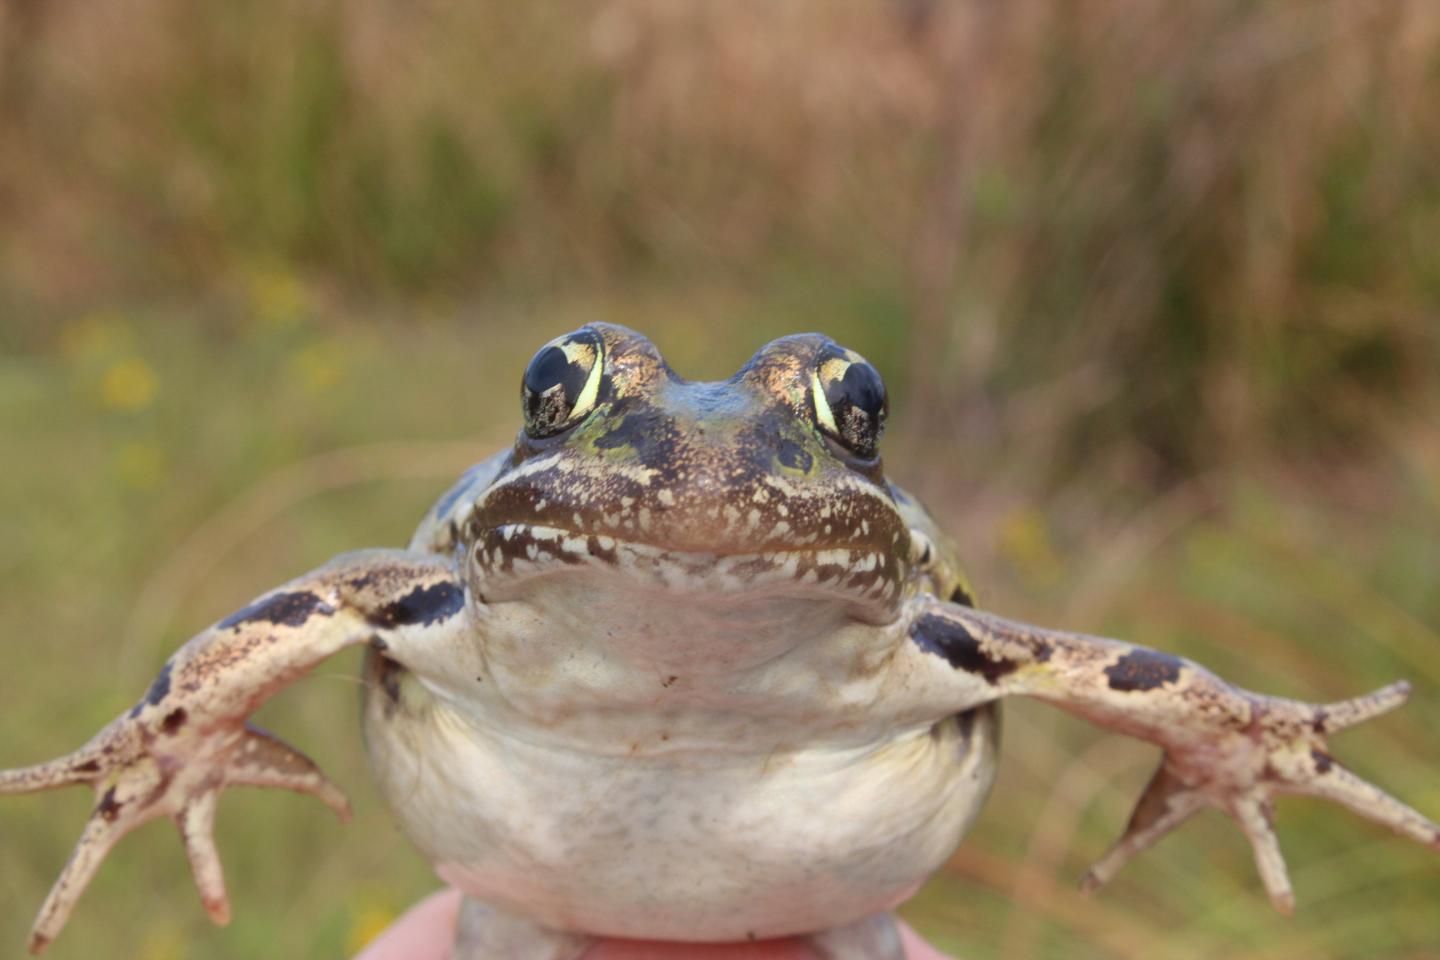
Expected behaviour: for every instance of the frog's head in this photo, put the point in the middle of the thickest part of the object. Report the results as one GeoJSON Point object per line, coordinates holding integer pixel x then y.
{"type": "Point", "coordinates": [769, 482]}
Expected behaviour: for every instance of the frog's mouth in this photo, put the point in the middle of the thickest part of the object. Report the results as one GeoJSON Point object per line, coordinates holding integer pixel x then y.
{"type": "Point", "coordinates": [867, 581]}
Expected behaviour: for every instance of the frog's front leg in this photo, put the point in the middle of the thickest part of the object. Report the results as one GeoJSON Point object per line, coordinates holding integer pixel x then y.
{"type": "Point", "coordinates": [187, 738]}
{"type": "Point", "coordinates": [1224, 746]}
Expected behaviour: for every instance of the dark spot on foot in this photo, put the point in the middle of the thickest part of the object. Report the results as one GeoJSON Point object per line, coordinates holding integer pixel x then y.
{"type": "Point", "coordinates": [108, 807]}
{"type": "Point", "coordinates": [668, 680]}
{"type": "Point", "coordinates": [173, 721]}
{"type": "Point", "coordinates": [89, 766]}
{"type": "Point", "coordinates": [1318, 724]}
{"type": "Point", "coordinates": [282, 609]}
{"type": "Point", "coordinates": [949, 639]}
{"type": "Point", "coordinates": [960, 596]}
{"type": "Point", "coordinates": [1143, 670]}
{"type": "Point", "coordinates": [422, 606]}
{"type": "Point", "coordinates": [1323, 761]}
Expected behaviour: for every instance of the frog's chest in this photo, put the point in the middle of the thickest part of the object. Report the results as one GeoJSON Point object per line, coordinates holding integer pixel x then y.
{"type": "Point", "coordinates": [687, 844]}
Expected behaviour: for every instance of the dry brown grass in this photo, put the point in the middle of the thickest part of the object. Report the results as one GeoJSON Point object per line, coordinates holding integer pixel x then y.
{"type": "Point", "coordinates": [1155, 286]}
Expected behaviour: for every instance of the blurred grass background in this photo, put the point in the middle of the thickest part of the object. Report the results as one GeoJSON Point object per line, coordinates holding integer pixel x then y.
{"type": "Point", "coordinates": [1156, 288]}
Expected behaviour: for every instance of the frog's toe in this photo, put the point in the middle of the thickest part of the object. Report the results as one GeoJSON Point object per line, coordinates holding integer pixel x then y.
{"type": "Point", "coordinates": [1166, 804]}
{"type": "Point", "coordinates": [133, 785]}
{"type": "Point", "coordinates": [197, 829]}
{"type": "Point", "coordinates": [1334, 717]}
{"type": "Point", "coordinates": [1331, 781]}
{"type": "Point", "coordinates": [82, 766]}
{"type": "Point", "coordinates": [264, 760]}
{"type": "Point", "coordinates": [123, 804]}
{"type": "Point", "coordinates": [1311, 771]}
{"type": "Point", "coordinates": [1256, 816]}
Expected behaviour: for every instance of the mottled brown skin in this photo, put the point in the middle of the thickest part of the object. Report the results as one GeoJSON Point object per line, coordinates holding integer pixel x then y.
{"type": "Point", "coordinates": [187, 738]}
{"type": "Point", "coordinates": [1224, 746]}
{"type": "Point", "coordinates": [712, 501]}
{"type": "Point", "coordinates": [647, 465]}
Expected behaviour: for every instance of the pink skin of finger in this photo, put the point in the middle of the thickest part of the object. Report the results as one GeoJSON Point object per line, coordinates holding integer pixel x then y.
{"type": "Point", "coordinates": [426, 930]}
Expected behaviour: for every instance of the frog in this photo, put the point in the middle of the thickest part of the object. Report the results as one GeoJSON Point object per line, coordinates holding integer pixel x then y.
{"type": "Point", "coordinates": [684, 664]}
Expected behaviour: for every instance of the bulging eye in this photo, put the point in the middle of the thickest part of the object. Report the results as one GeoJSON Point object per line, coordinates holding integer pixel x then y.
{"type": "Point", "coordinates": [561, 383]}
{"type": "Point", "coordinates": [850, 401]}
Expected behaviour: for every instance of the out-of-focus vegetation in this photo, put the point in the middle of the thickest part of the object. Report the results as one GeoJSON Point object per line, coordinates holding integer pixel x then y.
{"type": "Point", "coordinates": [1156, 287]}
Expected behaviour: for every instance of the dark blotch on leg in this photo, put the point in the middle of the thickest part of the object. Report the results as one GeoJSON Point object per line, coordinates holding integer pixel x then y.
{"type": "Point", "coordinates": [159, 690]}
{"type": "Point", "coordinates": [173, 721]}
{"type": "Point", "coordinates": [281, 609]}
{"type": "Point", "coordinates": [948, 639]}
{"type": "Point", "coordinates": [108, 807]}
{"type": "Point", "coordinates": [1143, 670]}
{"type": "Point", "coordinates": [423, 606]}
{"type": "Point", "coordinates": [958, 595]}
{"type": "Point", "coordinates": [1323, 761]}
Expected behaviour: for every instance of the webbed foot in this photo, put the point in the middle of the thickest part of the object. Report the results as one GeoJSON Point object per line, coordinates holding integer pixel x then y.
{"type": "Point", "coordinates": [1283, 751]}
{"type": "Point", "coordinates": [146, 765]}
{"type": "Point", "coordinates": [187, 739]}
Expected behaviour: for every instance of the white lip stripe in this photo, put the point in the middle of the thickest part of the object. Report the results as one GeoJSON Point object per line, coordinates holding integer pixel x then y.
{"type": "Point", "coordinates": [694, 571]}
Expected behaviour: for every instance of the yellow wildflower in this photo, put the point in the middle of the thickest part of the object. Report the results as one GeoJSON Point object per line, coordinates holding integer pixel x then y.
{"type": "Point", "coordinates": [128, 385]}
{"type": "Point", "coordinates": [368, 923]}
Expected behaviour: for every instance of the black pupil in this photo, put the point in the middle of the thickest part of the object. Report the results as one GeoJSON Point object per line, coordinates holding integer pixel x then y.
{"type": "Point", "coordinates": [549, 368]}
{"type": "Point", "coordinates": [860, 387]}
{"type": "Point", "coordinates": [857, 403]}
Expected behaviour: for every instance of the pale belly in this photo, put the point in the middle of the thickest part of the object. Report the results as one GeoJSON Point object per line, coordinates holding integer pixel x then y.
{"type": "Point", "coordinates": [698, 845]}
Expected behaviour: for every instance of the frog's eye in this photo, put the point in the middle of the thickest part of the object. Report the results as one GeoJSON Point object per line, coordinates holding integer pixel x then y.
{"type": "Point", "coordinates": [850, 401]}
{"type": "Point", "coordinates": [561, 383]}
